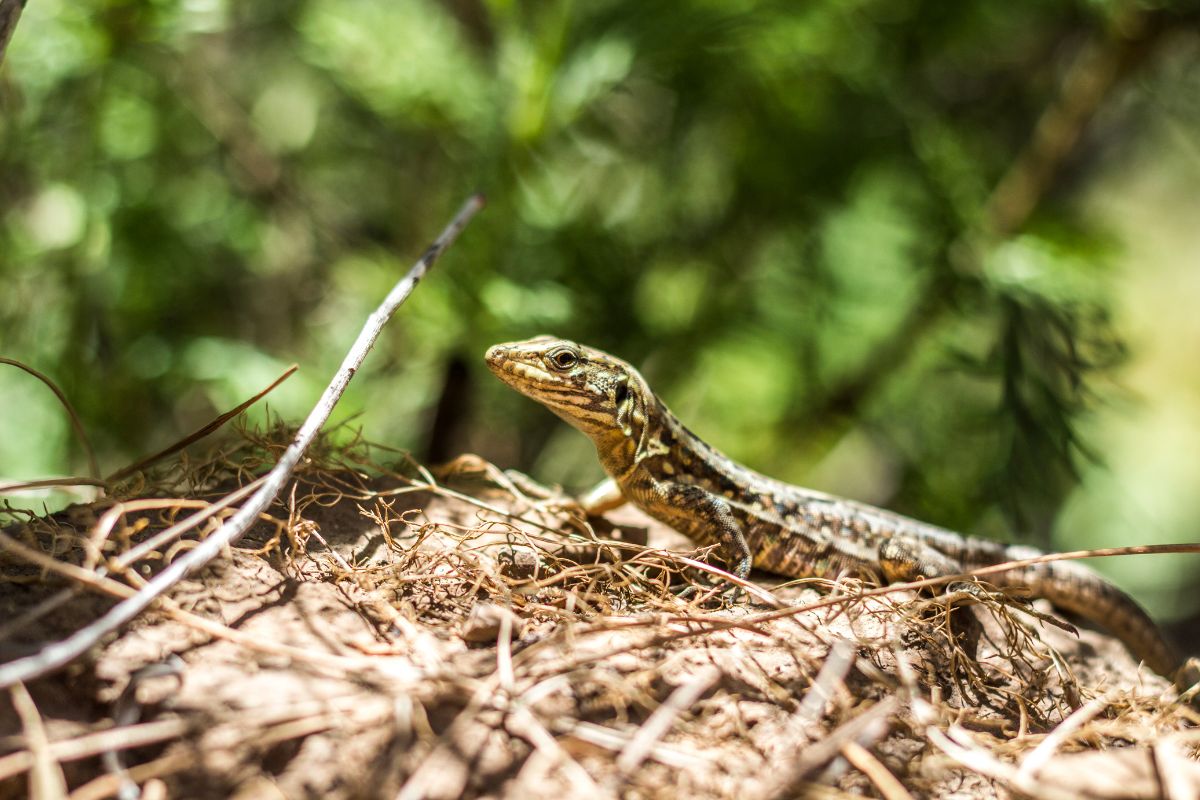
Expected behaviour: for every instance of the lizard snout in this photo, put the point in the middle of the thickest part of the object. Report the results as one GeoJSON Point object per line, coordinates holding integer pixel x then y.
{"type": "Point", "coordinates": [495, 356]}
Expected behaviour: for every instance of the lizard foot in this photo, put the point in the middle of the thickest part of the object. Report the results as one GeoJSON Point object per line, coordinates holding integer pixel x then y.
{"type": "Point", "coordinates": [712, 596]}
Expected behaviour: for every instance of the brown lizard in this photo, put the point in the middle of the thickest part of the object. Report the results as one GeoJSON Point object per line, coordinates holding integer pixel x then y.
{"type": "Point", "coordinates": [672, 475]}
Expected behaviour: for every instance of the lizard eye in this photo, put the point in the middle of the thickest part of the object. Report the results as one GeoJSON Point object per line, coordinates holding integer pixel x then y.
{"type": "Point", "coordinates": [563, 359]}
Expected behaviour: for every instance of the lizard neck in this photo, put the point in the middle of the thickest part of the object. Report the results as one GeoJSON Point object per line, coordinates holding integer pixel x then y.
{"type": "Point", "coordinates": [651, 444]}
{"type": "Point", "coordinates": [643, 430]}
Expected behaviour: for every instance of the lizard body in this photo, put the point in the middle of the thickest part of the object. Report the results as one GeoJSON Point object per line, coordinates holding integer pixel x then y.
{"type": "Point", "coordinates": [675, 477]}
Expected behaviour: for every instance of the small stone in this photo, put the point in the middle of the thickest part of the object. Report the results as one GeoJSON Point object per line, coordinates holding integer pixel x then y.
{"type": "Point", "coordinates": [485, 620]}
{"type": "Point", "coordinates": [518, 562]}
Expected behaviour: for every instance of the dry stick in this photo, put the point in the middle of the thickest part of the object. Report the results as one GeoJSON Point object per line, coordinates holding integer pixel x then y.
{"type": "Point", "coordinates": [867, 728]}
{"type": "Point", "coordinates": [680, 700]}
{"type": "Point", "coordinates": [832, 675]}
{"type": "Point", "coordinates": [524, 724]}
{"type": "Point", "coordinates": [1049, 746]}
{"type": "Point", "coordinates": [93, 466]}
{"type": "Point", "coordinates": [107, 785]}
{"type": "Point", "coordinates": [93, 744]}
{"type": "Point", "coordinates": [93, 546]}
{"type": "Point", "coordinates": [443, 765]}
{"type": "Point", "coordinates": [504, 668]}
{"type": "Point", "coordinates": [958, 745]}
{"type": "Point", "coordinates": [60, 653]}
{"type": "Point", "coordinates": [609, 739]}
{"type": "Point", "coordinates": [862, 759]}
{"type": "Point", "coordinates": [183, 526]}
{"type": "Point", "coordinates": [7, 488]}
{"type": "Point", "coordinates": [47, 780]}
{"type": "Point", "coordinates": [200, 433]}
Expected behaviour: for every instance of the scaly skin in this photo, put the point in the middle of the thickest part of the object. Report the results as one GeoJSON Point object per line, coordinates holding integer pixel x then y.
{"type": "Point", "coordinates": [667, 471]}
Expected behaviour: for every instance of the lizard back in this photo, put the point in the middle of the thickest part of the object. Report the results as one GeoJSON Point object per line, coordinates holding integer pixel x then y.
{"type": "Point", "coordinates": [677, 478]}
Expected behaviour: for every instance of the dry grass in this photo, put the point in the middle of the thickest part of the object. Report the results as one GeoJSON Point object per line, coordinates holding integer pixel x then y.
{"type": "Point", "coordinates": [388, 631]}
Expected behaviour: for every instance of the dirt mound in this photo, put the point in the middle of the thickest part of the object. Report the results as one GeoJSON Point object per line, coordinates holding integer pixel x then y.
{"type": "Point", "coordinates": [386, 631]}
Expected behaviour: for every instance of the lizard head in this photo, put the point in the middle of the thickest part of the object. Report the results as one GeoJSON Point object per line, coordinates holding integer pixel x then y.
{"type": "Point", "coordinates": [597, 393]}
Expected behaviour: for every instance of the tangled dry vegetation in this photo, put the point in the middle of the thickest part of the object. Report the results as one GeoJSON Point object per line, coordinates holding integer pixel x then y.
{"type": "Point", "coordinates": [392, 631]}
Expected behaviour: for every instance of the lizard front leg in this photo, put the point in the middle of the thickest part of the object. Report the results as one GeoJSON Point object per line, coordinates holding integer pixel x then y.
{"type": "Point", "coordinates": [603, 497]}
{"type": "Point", "coordinates": [695, 507]}
{"type": "Point", "coordinates": [600, 499]}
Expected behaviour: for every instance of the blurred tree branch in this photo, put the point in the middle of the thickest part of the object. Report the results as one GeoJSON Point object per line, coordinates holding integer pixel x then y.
{"type": "Point", "coordinates": [1100, 65]}
{"type": "Point", "coordinates": [10, 12]}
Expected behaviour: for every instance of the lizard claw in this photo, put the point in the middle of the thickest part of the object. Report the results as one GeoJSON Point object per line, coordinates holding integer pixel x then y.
{"type": "Point", "coordinates": [726, 598]}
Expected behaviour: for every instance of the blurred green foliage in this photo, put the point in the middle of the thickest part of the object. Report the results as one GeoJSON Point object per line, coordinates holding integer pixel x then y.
{"type": "Point", "coordinates": [786, 212]}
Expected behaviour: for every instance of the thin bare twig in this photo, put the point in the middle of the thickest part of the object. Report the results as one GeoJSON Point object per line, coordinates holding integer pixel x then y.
{"type": "Point", "coordinates": [865, 762]}
{"type": "Point", "coordinates": [145, 775]}
{"type": "Point", "coordinates": [832, 675]}
{"type": "Point", "coordinates": [10, 12]}
{"type": "Point", "coordinates": [178, 529]}
{"type": "Point", "coordinates": [60, 653]}
{"type": "Point", "coordinates": [523, 723]}
{"type": "Point", "coordinates": [201, 432]}
{"type": "Point", "coordinates": [609, 739]}
{"type": "Point", "coordinates": [958, 745]}
{"type": "Point", "coordinates": [46, 483]}
{"type": "Point", "coordinates": [680, 700]}
{"type": "Point", "coordinates": [868, 727]}
{"type": "Point", "coordinates": [1049, 746]}
{"type": "Point", "coordinates": [47, 780]}
{"type": "Point", "coordinates": [93, 466]}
